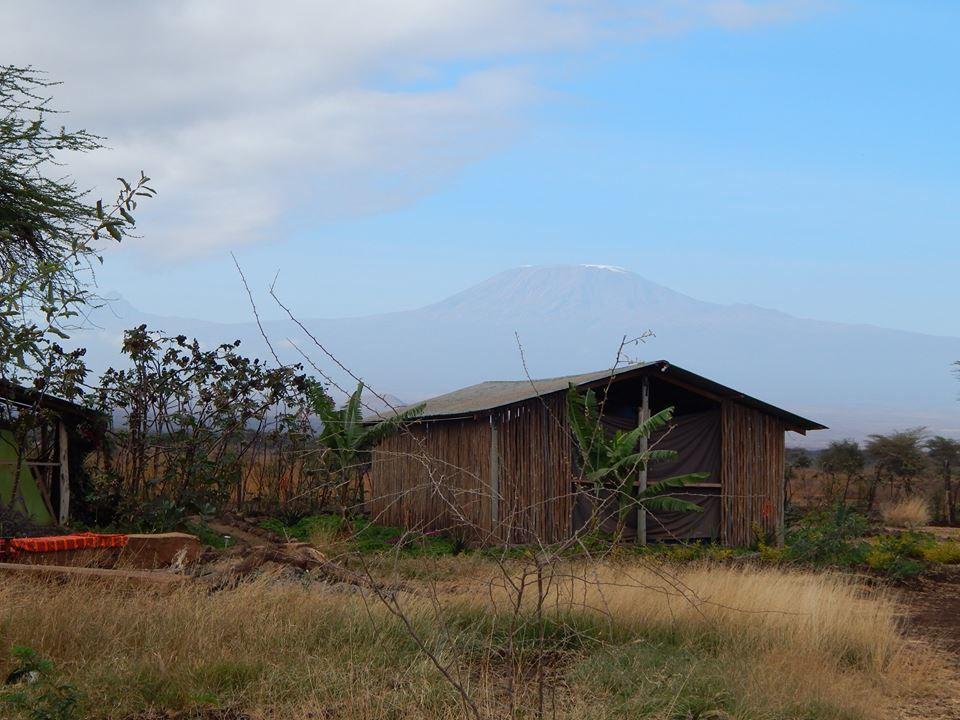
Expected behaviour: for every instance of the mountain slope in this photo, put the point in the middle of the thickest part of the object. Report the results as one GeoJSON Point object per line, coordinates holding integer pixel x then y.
{"type": "Point", "coordinates": [856, 378]}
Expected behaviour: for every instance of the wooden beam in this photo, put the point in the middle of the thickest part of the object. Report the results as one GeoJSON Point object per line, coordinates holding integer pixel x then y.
{"type": "Point", "coordinates": [644, 415]}
{"type": "Point", "coordinates": [665, 377]}
{"type": "Point", "coordinates": [63, 446]}
{"type": "Point", "coordinates": [494, 474]}
{"type": "Point", "coordinates": [131, 578]}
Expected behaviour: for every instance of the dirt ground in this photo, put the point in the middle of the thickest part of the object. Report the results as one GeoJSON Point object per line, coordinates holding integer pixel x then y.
{"type": "Point", "coordinates": [934, 610]}
{"type": "Point", "coordinates": [932, 617]}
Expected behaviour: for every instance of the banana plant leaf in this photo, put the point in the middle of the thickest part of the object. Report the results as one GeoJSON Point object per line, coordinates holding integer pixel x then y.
{"type": "Point", "coordinates": [657, 497]}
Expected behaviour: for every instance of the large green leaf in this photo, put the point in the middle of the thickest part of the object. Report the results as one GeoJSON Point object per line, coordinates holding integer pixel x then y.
{"type": "Point", "coordinates": [375, 433]}
{"type": "Point", "coordinates": [648, 427]}
{"type": "Point", "coordinates": [672, 483]}
{"type": "Point", "coordinates": [670, 504]}
{"type": "Point", "coordinates": [657, 496]}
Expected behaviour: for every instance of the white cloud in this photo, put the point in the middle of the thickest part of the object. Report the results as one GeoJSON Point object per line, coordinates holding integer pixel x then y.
{"type": "Point", "coordinates": [246, 113]}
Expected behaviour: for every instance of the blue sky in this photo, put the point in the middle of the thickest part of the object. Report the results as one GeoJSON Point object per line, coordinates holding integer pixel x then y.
{"type": "Point", "coordinates": [808, 163]}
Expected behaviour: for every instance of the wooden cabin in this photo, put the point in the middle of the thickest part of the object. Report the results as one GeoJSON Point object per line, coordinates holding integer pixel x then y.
{"type": "Point", "coordinates": [49, 455]}
{"type": "Point", "coordinates": [497, 460]}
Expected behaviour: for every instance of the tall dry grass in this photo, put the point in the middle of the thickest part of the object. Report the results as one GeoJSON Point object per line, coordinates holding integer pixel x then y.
{"type": "Point", "coordinates": [910, 512]}
{"type": "Point", "coordinates": [750, 608]}
{"type": "Point", "coordinates": [625, 641]}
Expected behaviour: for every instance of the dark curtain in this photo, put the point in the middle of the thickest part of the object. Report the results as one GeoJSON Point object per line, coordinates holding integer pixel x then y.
{"type": "Point", "coordinates": [697, 440]}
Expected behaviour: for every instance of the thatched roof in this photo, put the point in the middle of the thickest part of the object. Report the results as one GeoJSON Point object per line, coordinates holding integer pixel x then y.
{"type": "Point", "coordinates": [491, 395]}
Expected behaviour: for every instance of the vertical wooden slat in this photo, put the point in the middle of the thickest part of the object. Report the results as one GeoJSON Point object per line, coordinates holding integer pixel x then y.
{"type": "Point", "coordinates": [63, 446]}
{"type": "Point", "coordinates": [643, 416]}
{"type": "Point", "coordinates": [752, 476]}
{"type": "Point", "coordinates": [520, 493]}
{"type": "Point", "coordinates": [494, 464]}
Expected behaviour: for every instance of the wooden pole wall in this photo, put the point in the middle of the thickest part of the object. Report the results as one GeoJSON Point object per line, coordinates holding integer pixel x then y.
{"type": "Point", "coordinates": [643, 415]}
{"type": "Point", "coordinates": [512, 486]}
{"type": "Point", "coordinates": [506, 476]}
{"type": "Point", "coordinates": [752, 475]}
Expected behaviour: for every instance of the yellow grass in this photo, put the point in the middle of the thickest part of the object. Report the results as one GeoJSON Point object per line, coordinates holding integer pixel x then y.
{"type": "Point", "coordinates": [910, 512]}
{"type": "Point", "coordinates": [626, 641]}
{"type": "Point", "coordinates": [749, 607]}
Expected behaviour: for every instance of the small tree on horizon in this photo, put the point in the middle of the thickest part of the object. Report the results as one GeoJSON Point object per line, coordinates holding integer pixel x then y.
{"type": "Point", "coordinates": [945, 455]}
{"type": "Point", "coordinates": [842, 458]}
{"type": "Point", "coordinates": [899, 456]}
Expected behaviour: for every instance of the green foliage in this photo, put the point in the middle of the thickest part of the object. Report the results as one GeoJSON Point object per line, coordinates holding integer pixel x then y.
{"type": "Point", "coordinates": [688, 552]}
{"type": "Point", "coordinates": [207, 535]}
{"type": "Point", "coordinates": [828, 537]}
{"type": "Point", "coordinates": [906, 554]}
{"type": "Point", "coordinates": [944, 552]}
{"type": "Point", "coordinates": [49, 228]}
{"type": "Point", "coordinates": [899, 455]}
{"type": "Point", "coordinates": [306, 527]}
{"type": "Point", "coordinates": [190, 417]}
{"type": "Point", "coordinates": [36, 693]}
{"type": "Point", "coordinates": [944, 453]}
{"type": "Point", "coordinates": [839, 538]}
{"type": "Point", "coordinates": [613, 462]}
{"type": "Point", "coordinates": [842, 456]}
{"type": "Point", "coordinates": [361, 535]}
{"type": "Point", "coordinates": [898, 556]}
{"type": "Point", "coordinates": [348, 440]}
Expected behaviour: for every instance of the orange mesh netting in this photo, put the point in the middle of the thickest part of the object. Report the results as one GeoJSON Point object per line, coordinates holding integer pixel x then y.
{"type": "Point", "coordinates": [59, 543]}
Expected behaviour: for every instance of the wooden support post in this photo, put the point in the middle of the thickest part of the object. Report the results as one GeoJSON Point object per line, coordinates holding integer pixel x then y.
{"type": "Point", "coordinates": [494, 475]}
{"type": "Point", "coordinates": [644, 415]}
{"type": "Point", "coordinates": [63, 446]}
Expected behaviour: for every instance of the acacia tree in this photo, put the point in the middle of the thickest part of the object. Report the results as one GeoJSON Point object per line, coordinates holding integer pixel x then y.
{"type": "Point", "coordinates": [945, 455]}
{"type": "Point", "coordinates": [899, 456]}
{"type": "Point", "coordinates": [50, 227]}
{"type": "Point", "coordinates": [49, 244]}
{"type": "Point", "coordinates": [842, 458]}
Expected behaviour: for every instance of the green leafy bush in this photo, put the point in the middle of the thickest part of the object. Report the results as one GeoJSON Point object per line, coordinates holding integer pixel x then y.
{"type": "Point", "coordinates": [35, 693]}
{"type": "Point", "coordinates": [207, 535]}
{"type": "Point", "coordinates": [947, 553]}
{"type": "Point", "coordinates": [361, 535]}
{"type": "Point", "coordinates": [897, 555]}
{"type": "Point", "coordinates": [689, 552]}
{"type": "Point", "coordinates": [906, 554]}
{"type": "Point", "coordinates": [837, 538]}
{"type": "Point", "coordinates": [828, 538]}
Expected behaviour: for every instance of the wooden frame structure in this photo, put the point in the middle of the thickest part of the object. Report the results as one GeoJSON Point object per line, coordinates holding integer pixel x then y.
{"type": "Point", "coordinates": [496, 461]}
{"type": "Point", "coordinates": [52, 465]}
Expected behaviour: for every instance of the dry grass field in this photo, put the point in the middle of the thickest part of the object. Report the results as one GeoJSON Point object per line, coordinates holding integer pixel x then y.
{"type": "Point", "coordinates": [607, 640]}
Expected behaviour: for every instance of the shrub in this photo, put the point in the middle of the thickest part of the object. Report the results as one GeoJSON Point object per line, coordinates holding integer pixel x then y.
{"type": "Point", "coordinates": [910, 512]}
{"type": "Point", "coordinates": [335, 535]}
{"type": "Point", "coordinates": [896, 566]}
{"type": "Point", "coordinates": [828, 538]}
{"type": "Point", "coordinates": [36, 693]}
{"type": "Point", "coordinates": [947, 553]}
{"type": "Point", "coordinates": [900, 556]}
{"type": "Point", "coordinates": [689, 552]}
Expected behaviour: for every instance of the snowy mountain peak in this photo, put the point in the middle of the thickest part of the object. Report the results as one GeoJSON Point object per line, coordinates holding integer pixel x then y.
{"type": "Point", "coordinates": [569, 291]}
{"type": "Point", "coordinates": [611, 268]}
